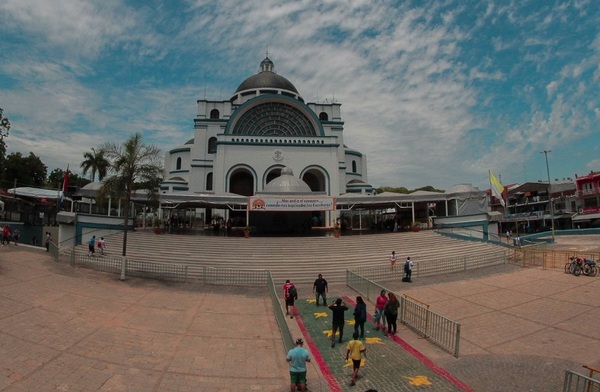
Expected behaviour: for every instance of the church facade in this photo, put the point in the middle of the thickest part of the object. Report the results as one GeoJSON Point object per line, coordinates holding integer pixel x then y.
{"type": "Point", "coordinates": [242, 144]}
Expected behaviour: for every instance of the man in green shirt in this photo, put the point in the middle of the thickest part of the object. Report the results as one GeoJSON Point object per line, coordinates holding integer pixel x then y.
{"type": "Point", "coordinates": [297, 357]}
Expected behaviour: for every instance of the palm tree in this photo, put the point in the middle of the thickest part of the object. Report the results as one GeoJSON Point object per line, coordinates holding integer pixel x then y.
{"type": "Point", "coordinates": [95, 162]}
{"type": "Point", "coordinates": [134, 165]}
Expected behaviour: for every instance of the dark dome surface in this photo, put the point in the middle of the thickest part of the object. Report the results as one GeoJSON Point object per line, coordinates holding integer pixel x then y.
{"type": "Point", "coordinates": [266, 79]}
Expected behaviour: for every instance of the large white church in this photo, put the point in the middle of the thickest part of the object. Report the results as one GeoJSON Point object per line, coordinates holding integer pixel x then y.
{"type": "Point", "coordinates": [240, 145]}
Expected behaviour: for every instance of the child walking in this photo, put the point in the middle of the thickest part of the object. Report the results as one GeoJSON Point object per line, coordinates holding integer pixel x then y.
{"type": "Point", "coordinates": [354, 350]}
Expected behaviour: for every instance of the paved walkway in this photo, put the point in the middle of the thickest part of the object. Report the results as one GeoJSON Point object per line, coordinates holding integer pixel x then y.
{"type": "Point", "coordinates": [390, 364]}
{"type": "Point", "coordinates": [70, 329]}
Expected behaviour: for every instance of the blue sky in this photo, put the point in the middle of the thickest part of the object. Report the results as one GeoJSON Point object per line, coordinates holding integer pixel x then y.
{"type": "Point", "coordinates": [434, 92]}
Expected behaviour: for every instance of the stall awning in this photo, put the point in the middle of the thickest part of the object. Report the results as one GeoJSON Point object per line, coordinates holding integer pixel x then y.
{"type": "Point", "coordinates": [586, 217]}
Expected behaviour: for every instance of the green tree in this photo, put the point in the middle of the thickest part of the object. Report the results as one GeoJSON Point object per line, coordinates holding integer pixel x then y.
{"type": "Point", "coordinates": [131, 164]}
{"type": "Point", "coordinates": [429, 188]}
{"type": "Point", "coordinates": [95, 162]}
{"type": "Point", "coordinates": [401, 189]}
{"type": "Point", "coordinates": [4, 128]}
{"type": "Point", "coordinates": [57, 176]}
{"type": "Point", "coordinates": [27, 171]}
{"type": "Point", "coordinates": [405, 191]}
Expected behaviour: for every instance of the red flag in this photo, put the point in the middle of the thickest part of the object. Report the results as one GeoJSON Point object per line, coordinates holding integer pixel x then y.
{"type": "Point", "coordinates": [64, 188]}
{"type": "Point", "coordinates": [66, 180]}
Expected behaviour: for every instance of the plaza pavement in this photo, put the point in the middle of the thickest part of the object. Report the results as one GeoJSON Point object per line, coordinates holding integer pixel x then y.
{"type": "Point", "coordinates": [70, 329]}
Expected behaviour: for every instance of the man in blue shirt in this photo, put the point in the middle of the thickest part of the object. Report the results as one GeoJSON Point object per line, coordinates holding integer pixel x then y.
{"type": "Point", "coordinates": [297, 357]}
{"type": "Point", "coordinates": [91, 246]}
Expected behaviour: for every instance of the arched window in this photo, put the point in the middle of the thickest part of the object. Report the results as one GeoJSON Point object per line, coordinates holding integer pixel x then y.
{"type": "Point", "coordinates": [178, 164]}
{"type": "Point", "coordinates": [209, 182]}
{"type": "Point", "coordinates": [214, 114]}
{"type": "Point", "coordinates": [212, 145]}
{"type": "Point", "coordinates": [353, 166]}
{"type": "Point", "coordinates": [323, 116]}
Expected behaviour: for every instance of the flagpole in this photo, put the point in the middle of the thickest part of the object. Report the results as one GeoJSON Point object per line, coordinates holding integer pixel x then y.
{"type": "Point", "coordinates": [64, 187]}
{"type": "Point", "coordinates": [492, 194]}
{"type": "Point", "coordinates": [491, 186]}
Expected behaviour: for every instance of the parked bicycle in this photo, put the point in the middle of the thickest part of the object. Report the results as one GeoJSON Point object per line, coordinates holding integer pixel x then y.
{"type": "Point", "coordinates": [572, 266]}
{"type": "Point", "coordinates": [577, 265]}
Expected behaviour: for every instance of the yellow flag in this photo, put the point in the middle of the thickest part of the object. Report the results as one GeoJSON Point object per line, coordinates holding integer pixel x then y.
{"type": "Point", "coordinates": [497, 188]}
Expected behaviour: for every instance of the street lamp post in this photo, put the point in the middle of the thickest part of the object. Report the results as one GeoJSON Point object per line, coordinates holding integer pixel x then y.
{"type": "Point", "coordinates": [545, 152]}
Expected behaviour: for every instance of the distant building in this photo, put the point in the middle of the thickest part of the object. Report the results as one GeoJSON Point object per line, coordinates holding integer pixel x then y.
{"type": "Point", "coordinates": [528, 207]}
{"type": "Point", "coordinates": [588, 194]}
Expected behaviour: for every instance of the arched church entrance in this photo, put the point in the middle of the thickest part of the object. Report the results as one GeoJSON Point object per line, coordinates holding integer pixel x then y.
{"type": "Point", "coordinates": [241, 182]}
{"type": "Point", "coordinates": [315, 179]}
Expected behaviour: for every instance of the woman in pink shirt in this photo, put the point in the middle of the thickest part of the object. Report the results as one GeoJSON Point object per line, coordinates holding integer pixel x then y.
{"type": "Point", "coordinates": [378, 318]}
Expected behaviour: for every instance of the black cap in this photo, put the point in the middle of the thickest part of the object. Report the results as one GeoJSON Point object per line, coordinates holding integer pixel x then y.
{"type": "Point", "coordinates": [299, 341]}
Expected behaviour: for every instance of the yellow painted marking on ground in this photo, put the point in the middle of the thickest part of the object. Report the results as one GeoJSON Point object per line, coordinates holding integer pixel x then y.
{"type": "Point", "coordinates": [373, 341]}
{"type": "Point", "coordinates": [349, 362]}
{"type": "Point", "coordinates": [320, 314]}
{"type": "Point", "coordinates": [350, 322]}
{"type": "Point", "coordinates": [418, 380]}
{"type": "Point", "coordinates": [311, 300]}
{"type": "Point", "coordinates": [328, 332]}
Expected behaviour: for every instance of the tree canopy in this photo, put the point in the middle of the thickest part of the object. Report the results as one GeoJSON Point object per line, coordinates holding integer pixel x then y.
{"type": "Point", "coordinates": [405, 191]}
{"type": "Point", "coordinates": [131, 165]}
{"type": "Point", "coordinates": [4, 128]}
{"type": "Point", "coordinates": [95, 162]}
{"type": "Point", "coordinates": [57, 176]}
{"type": "Point", "coordinates": [26, 171]}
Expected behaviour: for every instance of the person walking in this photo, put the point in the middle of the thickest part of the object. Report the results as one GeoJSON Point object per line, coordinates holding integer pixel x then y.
{"type": "Point", "coordinates": [393, 259]}
{"type": "Point", "coordinates": [354, 351]}
{"type": "Point", "coordinates": [360, 317]}
{"type": "Point", "coordinates": [378, 318]}
{"type": "Point", "coordinates": [408, 266]}
{"type": "Point", "coordinates": [16, 236]}
{"type": "Point", "coordinates": [297, 358]}
{"type": "Point", "coordinates": [101, 245]}
{"type": "Point", "coordinates": [289, 294]}
{"type": "Point", "coordinates": [6, 235]}
{"type": "Point", "coordinates": [48, 241]}
{"type": "Point", "coordinates": [391, 314]}
{"type": "Point", "coordinates": [92, 246]}
{"type": "Point", "coordinates": [337, 321]}
{"type": "Point", "coordinates": [320, 289]}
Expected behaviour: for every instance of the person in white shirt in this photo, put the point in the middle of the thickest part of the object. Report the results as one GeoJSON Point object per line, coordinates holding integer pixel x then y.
{"type": "Point", "coordinates": [393, 259]}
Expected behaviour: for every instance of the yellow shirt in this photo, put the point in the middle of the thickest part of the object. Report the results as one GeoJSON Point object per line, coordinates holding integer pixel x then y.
{"type": "Point", "coordinates": [355, 347]}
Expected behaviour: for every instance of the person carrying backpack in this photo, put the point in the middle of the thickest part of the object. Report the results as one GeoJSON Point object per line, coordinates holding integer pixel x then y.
{"type": "Point", "coordinates": [289, 294]}
{"type": "Point", "coordinates": [408, 265]}
{"type": "Point", "coordinates": [360, 317]}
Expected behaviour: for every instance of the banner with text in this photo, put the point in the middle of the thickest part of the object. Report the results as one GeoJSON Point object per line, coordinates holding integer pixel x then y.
{"type": "Point", "coordinates": [298, 203]}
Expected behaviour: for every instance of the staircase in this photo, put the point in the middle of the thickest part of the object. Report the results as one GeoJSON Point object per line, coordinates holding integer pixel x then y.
{"type": "Point", "coordinates": [300, 259]}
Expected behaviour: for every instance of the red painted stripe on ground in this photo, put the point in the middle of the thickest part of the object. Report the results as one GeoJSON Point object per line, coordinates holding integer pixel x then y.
{"type": "Point", "coordinates": [329, 377]}
{"type": "Point", "coordinates": [421, 357]}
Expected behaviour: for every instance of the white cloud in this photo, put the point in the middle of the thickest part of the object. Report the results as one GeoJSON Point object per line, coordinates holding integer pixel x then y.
{"type": "Point", "coordinates": [551, 88]}
{"type": "Point", "coordinates": [446, 85]}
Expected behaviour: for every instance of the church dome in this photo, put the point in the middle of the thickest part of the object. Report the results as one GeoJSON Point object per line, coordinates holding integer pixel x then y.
{"type": "Point", "coordinates": [266, 78]}
{"type": "Point", "coordinates": [286, 183]}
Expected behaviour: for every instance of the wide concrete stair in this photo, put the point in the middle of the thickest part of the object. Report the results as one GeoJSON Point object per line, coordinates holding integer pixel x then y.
{"type": "Point", "coordinates": [297, 258]}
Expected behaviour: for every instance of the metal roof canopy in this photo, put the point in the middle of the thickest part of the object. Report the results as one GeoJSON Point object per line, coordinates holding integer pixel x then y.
{"type": "Point", "coordinates": [345, 201]}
